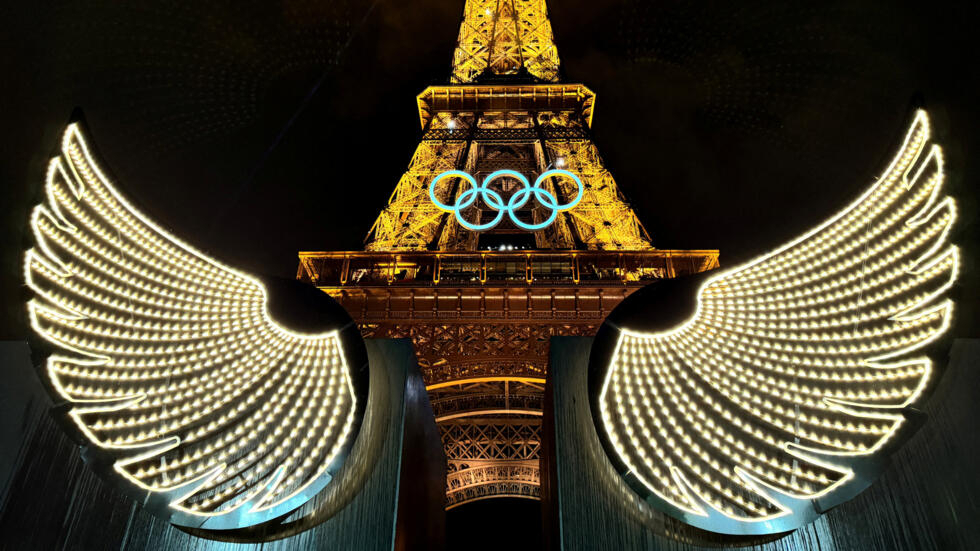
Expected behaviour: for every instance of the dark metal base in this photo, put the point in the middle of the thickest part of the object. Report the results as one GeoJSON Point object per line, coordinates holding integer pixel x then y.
{"type": "Point", "coordinates": [391, 495]}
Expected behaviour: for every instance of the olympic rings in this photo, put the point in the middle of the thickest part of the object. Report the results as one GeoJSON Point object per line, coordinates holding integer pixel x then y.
{"type": "Point", "coordinates": [493, 199]}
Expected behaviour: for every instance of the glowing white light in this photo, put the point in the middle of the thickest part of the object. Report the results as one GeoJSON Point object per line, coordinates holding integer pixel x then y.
{"type": "Point", "coordinates": [796, 360]}
{"type": "Point", "coordinates": [172, 359]}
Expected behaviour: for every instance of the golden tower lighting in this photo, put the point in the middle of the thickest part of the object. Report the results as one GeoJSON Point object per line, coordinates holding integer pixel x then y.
{"type": "Point", "coordinates": [481, 306]}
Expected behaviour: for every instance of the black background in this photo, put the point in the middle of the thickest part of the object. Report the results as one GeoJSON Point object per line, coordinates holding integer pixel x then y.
{"type": "Point", "coordinates": [257, 129]}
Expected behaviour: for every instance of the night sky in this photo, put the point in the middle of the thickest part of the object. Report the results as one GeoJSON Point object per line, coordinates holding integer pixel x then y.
{"type": "Point", "coordinates": [257, 129]}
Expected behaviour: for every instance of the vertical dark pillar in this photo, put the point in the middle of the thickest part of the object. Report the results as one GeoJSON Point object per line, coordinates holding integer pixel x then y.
{"type": "Point", "coordinates": [422, 491]}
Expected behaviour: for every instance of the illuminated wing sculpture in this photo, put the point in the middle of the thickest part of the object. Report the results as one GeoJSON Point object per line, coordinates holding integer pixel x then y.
{"type": "Point", "coordinates": [778, 397]}
{"type": "Point", "coordinates": [171, 364]}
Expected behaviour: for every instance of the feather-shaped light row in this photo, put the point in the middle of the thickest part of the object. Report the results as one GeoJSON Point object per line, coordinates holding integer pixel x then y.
{"type": "Point", "coordinates": [169, 358]}
{"type": "Point", "coordinates": [796, 362]}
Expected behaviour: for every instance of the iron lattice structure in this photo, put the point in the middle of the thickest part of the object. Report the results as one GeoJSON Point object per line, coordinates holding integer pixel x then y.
{"type": "Point", "coordinates": [523, 127]}
{"type": "Point", "coordinates": [480, 313]}
{"type": "Point", "coordinates": [492, 457]}
{"type": "Point", "coordinates": [501, 37]}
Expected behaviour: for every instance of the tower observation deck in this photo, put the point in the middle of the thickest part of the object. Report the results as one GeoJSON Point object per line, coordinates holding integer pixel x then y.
{"type": "Point", "coordinates": [482, 305]}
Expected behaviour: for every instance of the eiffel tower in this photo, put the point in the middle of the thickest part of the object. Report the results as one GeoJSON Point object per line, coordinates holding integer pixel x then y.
{"type": "Point", "coordinates": [481, 306]}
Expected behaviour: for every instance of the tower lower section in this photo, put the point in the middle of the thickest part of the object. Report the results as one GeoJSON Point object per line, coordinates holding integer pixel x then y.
{"type": "Point", "coordinates": [481, 324]}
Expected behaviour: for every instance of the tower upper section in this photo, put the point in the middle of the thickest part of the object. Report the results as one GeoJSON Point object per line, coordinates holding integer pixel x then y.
{"type": "Point", "coordinates": [505, 37]}
{"type": "Point", "coordinates": [503, 123]}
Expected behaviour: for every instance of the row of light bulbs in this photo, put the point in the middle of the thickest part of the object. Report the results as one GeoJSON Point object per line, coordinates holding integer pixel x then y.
{"type": "Point", "coordinates": [172, 359]}
{"type": "Point", "coordinates": [803, 352]}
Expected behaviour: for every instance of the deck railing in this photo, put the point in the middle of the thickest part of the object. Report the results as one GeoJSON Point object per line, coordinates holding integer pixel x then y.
{"type": "Point", "coordinates": [492, 268]}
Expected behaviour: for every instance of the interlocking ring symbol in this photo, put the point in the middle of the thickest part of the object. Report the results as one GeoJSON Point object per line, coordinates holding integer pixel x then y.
{"type": "Point", "coordinates": [496, 202]}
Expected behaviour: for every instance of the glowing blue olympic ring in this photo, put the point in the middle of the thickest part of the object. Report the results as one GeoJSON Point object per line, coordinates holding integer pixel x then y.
{"type": "Point", "coordinates": [496, 202]}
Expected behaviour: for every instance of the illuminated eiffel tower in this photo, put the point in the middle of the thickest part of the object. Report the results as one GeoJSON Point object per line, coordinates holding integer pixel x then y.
{"type": "Point", "coordinates": [481, 306]}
